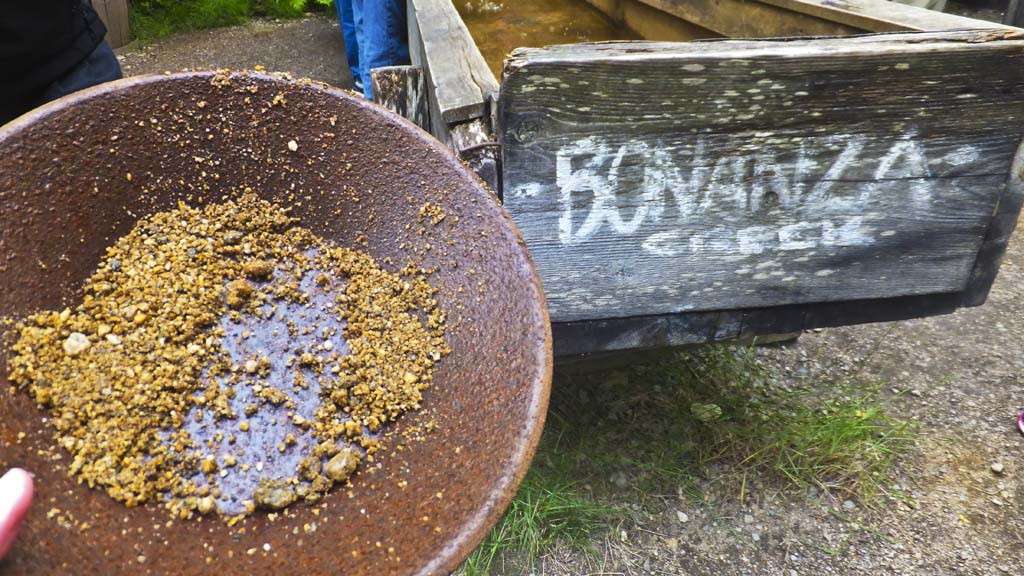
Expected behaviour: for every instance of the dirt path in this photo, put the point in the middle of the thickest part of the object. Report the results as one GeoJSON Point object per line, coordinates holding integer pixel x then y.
{"type": "Point", "coordinates": [310, 47]}
{"type": "Point", "coordinates": [960, 376]}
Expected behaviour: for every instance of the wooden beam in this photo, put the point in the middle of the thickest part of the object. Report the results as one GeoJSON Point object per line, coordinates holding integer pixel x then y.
{"type": "Point", "coordinates": [694, 328]}
{"type": "Point", "coordinates": [458, 79]}
{"type": "Point", "coordinates": [882, 15]}
{"type": "Point", "coordinates": [653, 24]}
{"type": "Point", "coordinates": [652, 179]}
{"type": "Point", "coordinates": [732, 18]}
{"type": "Point", "coordinates": [778, 18]}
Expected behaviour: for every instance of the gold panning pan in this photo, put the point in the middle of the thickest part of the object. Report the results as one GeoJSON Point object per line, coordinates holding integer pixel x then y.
{"type": "Point", "coordinates": [77, 174]}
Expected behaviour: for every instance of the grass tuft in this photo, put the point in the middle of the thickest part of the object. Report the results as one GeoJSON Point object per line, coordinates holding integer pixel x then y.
{"type": "Point", "coordinates": [547, 511]}
{"type": "Point", "coordinates": [153, 19]}
{"type": "Point", "coordinates": [833, 435]}
{"type": "Point", "coordinates": [677, 425]}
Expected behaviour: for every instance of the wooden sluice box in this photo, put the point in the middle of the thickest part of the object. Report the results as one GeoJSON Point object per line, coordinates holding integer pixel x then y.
{"type": "Point", "coordinates": [687, 192]}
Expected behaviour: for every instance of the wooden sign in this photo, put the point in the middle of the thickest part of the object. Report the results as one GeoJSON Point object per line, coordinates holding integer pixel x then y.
{"type": "Point", "coordinates": [654, 178]}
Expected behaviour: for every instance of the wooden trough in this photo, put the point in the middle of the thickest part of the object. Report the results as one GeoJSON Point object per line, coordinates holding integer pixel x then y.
{"type": "Point", "coordinates": [687, 192]}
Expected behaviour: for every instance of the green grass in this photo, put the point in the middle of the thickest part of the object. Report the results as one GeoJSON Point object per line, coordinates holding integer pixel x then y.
{"type": "Point", "coordinates": [834, 435]}
{"type": "Point", "coordinates": [152, 19]}
{"type": "Point", "coordinates": [547, 511]}
{"type": "Point", "coordinates": [676, 425]}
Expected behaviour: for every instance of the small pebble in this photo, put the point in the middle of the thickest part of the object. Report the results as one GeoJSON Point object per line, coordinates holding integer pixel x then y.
{"type": "Point", "coordinates": [206, 505]}
{"type": "Point", "coordinates": [76, 343]}
{"type": "Point", "coordinates": [293, 145]}
{"type": "Point", "coordinates": [997, 467]}
{"type": "Point", "coordinates": [273, 495]}
{"type": "Point", "coordinates": [341, 466]}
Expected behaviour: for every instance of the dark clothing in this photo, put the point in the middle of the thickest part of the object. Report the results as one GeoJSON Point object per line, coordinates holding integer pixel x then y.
{"type": "Point", "coordinates": [40, 42]}
{"type": "Point", "coordinates": [99, 67]}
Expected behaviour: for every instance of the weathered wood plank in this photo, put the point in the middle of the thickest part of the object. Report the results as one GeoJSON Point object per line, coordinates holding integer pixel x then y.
{"type": "Point", "coordinates": [759, 173]}
{"type": "Point", "coordinates": [882, 15]}
{"type": "Point", "coordinates": [777, 18]}
{"type": "Point", "coordinates": [685, 329]}
{"type": "Point", "coordinates": [1004, 221]}
{"type": "Point", "coordinates": [458, 79]}
{"type": "Point", "coordinates": [735, 18]}
{"type": "Point", "coordinates": [402, 89]}
{"type": "Point", "coordinates": [114, 14]}
{"type": "Point", "coordinates": [654, 24]}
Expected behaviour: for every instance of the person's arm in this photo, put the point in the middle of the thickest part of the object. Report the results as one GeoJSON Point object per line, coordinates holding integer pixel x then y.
{"type": "Point", "coordinates": [15, 497]}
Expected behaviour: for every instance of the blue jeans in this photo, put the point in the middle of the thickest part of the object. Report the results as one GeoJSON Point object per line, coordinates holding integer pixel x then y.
{"type": "Point", "coordinates": [98, 67]}
{"type": "Point", "coordinates": [376, 34]}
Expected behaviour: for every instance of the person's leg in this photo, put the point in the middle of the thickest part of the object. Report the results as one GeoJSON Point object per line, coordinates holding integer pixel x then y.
{"type": "Point", "coordinates": [348, 32]}
{"type": "Point", "coordinates": [385, 39]}
{"type": "Point", "coordinates": [99, 67]}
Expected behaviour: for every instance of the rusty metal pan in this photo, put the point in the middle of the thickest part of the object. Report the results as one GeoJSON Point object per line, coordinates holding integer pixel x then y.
{"type": "Point", "coordinates": [65, 195]}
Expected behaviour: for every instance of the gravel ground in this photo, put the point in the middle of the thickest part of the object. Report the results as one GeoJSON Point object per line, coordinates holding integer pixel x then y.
{"type": "Point", "coordinates": [959, 376]}
{"type": "Point", "coordinates": [309, 47]}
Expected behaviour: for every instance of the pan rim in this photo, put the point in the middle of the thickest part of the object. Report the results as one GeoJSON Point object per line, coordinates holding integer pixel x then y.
{"type": "Point", "coordinates": [480, 520]}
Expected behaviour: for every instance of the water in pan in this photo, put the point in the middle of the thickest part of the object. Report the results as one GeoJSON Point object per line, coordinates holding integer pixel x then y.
{"type": "Point", "coordinates": [255, 448]}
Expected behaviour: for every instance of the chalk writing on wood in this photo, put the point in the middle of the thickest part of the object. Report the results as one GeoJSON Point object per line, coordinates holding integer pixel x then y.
{"type": "Point", "coordinates": [673, 194]}
{"type": "Point", "coordinates": [665, 178]}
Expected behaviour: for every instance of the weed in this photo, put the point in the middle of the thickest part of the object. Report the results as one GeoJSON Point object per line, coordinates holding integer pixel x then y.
{"type": "Point", "coordinates": [152, 19]}
{"type": "Point", "coordinates": [677, 424]}
{"type": "Point", "coordinates": [547, 511]}
{"type": "Point", "coordinates": [835, 436]}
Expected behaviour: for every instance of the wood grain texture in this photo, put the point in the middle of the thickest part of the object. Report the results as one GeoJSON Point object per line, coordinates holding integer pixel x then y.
{"type": "Point", "coordinates": [458, 78]}
{"type": "Point", "coordinates": [652, 179]}
{"type": "Point", "coordinates": [737, 18]}
{"type": "Point", "coordinates": [1004, 221]}
{"type": "Point", "coordinates": [114, 14]}
{"type": "Point", "coordinates": [653, 24]}
{"type": "Point", "coordinates": [695, 328]}
{"type": "Point", "coordinates": [402, 89]}
{"type": "Point", "coordinates": [882, 15]}
{"type": "Point", "coordinates": [777, 18]}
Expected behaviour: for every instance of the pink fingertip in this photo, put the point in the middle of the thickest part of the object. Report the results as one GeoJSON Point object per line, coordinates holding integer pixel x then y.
{"type": "Point", "coordinates": [16, 488]}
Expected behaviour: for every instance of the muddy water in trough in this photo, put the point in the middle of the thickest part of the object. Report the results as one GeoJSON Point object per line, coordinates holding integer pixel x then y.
{"type": "Point", "coordinates": [498, 27]}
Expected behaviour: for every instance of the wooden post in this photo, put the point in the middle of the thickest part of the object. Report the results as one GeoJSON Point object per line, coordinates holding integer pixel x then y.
{"type": "Point", "coordinates": [1014, 14]}
{"type": "Point", "coordinates": [114, 14]}
{"type": "Point", "coordinates": [402, 89]}
{"type": "Point", "coordinates": [459, 85]}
